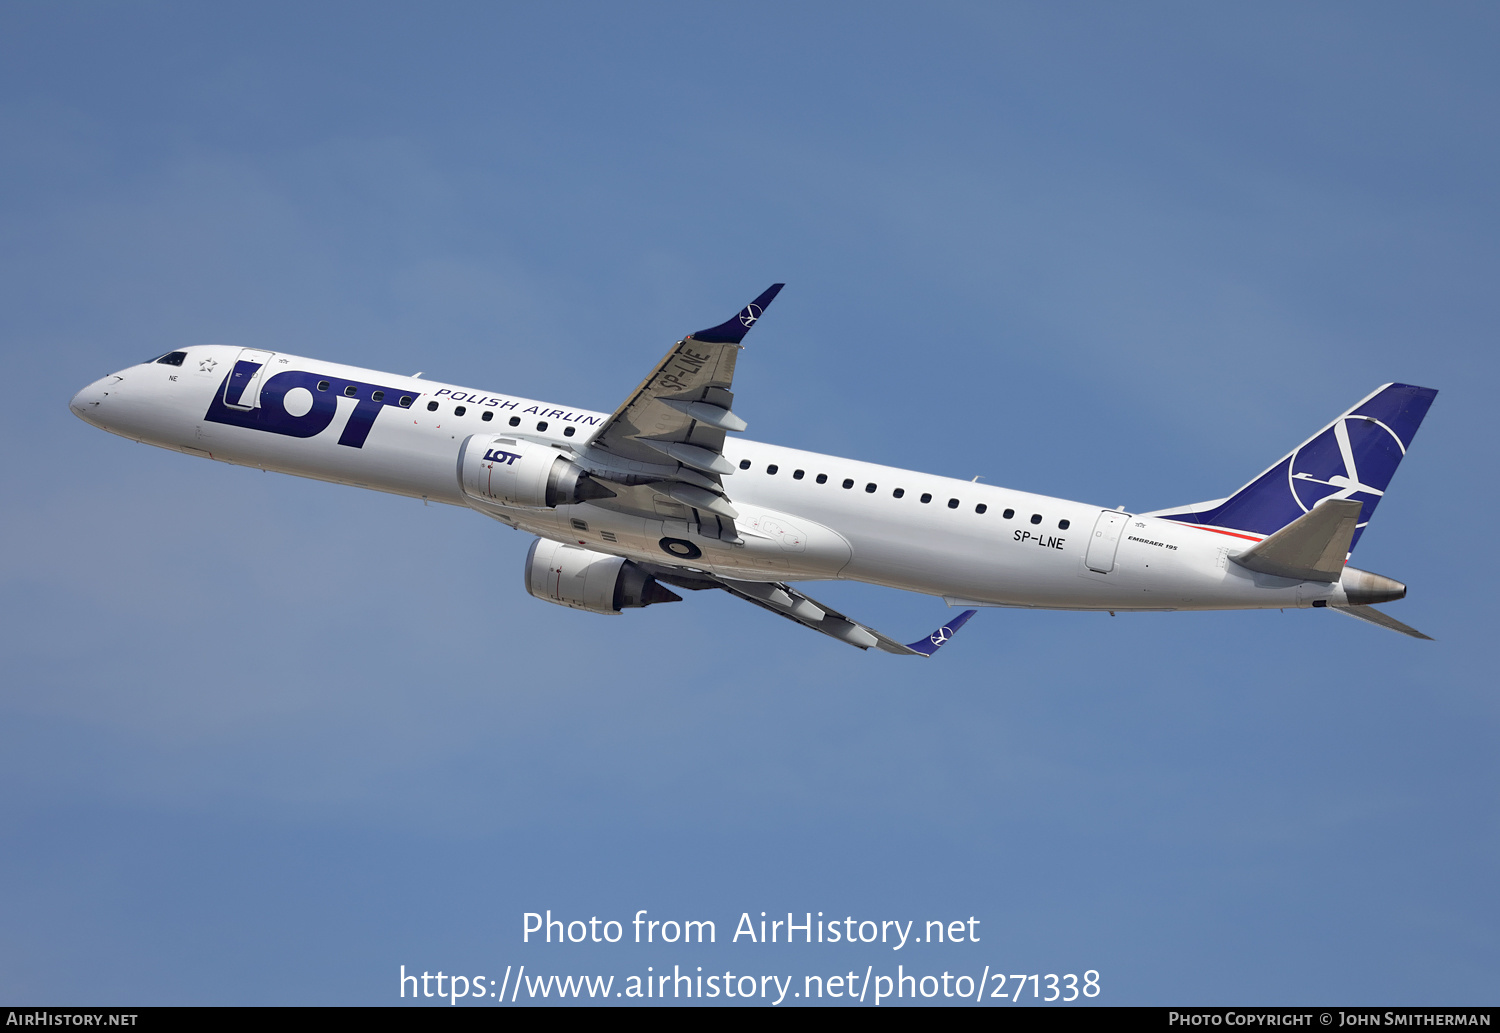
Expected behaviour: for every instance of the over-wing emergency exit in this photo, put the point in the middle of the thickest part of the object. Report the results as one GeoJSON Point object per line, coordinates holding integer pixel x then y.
{"type": "Point", "coordinates": [663, 495]}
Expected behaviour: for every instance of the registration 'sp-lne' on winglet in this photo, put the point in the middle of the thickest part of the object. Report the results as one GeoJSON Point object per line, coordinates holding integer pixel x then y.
{"type": "Point", "coordinates": [734, 331]}
{"type": "Point", "coordinates": [932, 643]}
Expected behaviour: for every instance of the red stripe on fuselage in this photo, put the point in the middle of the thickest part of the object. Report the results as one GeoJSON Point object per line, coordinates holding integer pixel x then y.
{"type": "Point", "coordinates": [1232, 534]}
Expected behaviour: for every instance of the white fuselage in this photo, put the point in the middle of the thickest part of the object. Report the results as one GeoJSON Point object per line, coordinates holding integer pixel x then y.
{"type": "Point", "coordinates": [1021, 550]}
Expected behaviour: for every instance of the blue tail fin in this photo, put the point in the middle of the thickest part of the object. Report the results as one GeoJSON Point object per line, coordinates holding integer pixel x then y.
{"type": "Point", "coordinates": [1354, 457]}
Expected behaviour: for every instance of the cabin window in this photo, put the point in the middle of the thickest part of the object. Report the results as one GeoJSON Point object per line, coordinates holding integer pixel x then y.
{"type": "Point", "coordinates": [172, 358]}
{"type": "Point", "coordinates": [351, 391]}
{"type": "Point", "coordinates": [1036, 518]}
{"type": "Point", "coordinates": [405, 401]}
{"type": "Point", "coordinates": [459, 410]}
{"type": "Point", "coordinates": [487, 416]}
{"type": "Point", "coordinates": [797, 475]}
{"type": "Point", "coordinates": [1062, 525]}
{"type": "Point", "coordinates": [323, 385]}
{"type": "Point", "coordinates": [1008, 514]}
{"type": "Point", "coordinates": [515, 421]}
{"type": "Point", "coordinates": [772, 468]}
{"type": "Point", "coordinates": [432, 407]}
{"type": "Point", "coordinates": [378, 396]}
{"type": "Point", "coordinates": [822, 478]}
{"type": "Point", "coordinates": [870, 488]}
{"type": "Point", "coordinates": [898, 493]}
{"type": "Point", "coordinates": [926, 497]}
{"type": "Point", "coordinates": [568, 432]}
{"type": "Point", "coordinates": [541, 424]}
{"type": "Point", "coordinates": [981, 508]}
{"type": "Point", "coordinates": [848, 482]}
{"type": "Point", "coordinates": [953, 503]}
{"type": "Point", "coordinates": [744, 464]}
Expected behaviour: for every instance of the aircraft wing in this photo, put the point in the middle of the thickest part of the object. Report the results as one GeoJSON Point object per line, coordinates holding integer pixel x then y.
{"type": "Point", "coordinates": [671, 429]}
{"type": "Point", "coordinates": [786, 601]}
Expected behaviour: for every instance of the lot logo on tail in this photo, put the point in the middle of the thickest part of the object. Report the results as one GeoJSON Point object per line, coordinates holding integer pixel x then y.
{"type": "Point", "coordinates": [1328, 466]}
{"type": "Point", "coordinates": [1354, 457]}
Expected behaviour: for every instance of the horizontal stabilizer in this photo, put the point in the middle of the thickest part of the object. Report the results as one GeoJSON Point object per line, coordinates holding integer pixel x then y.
{"type": "Point", "coordinates": [1374, 616]}
{"type": "Point", "coordinates": [1311, 548]}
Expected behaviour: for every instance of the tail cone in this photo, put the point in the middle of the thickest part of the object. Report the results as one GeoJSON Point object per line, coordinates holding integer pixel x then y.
{"type": "Point", "coordinates": [1364, 588]}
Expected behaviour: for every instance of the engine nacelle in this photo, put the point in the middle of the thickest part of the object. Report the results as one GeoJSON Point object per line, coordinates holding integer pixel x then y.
{"type": "Point", "coordinates": [588, 580]}
{"type": "Point", "coordinates": [511, 472]}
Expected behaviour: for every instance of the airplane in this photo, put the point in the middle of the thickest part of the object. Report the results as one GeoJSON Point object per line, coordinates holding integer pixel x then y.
{"type": "Point", "coordinates": [663, 494]}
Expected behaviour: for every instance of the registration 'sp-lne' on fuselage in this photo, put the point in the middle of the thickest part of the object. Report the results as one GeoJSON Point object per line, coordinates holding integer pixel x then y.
{"type": "Point", "coordinates": [666, 492]}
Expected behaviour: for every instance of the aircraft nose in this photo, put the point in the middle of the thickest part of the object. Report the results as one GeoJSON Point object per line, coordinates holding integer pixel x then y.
{"type": "Point", "coordinates": [87, 402]}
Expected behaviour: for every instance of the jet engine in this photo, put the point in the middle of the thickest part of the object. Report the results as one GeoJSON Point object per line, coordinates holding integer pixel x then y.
{"type": "Point", "coordinates": [512, 472]}
{"type": "Point", "coordinates": [588, 580]}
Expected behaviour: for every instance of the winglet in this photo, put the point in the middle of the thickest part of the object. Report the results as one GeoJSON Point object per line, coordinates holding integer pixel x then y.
{"type": "Point", "coordinates": [932, 643]}
{"type": "Point", "coordinates": [734, 331]}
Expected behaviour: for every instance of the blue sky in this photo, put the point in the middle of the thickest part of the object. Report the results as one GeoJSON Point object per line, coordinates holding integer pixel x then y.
{"type": "Point", "coordinates": [265, 740]}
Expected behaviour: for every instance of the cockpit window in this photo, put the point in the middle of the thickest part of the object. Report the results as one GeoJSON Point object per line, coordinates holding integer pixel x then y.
{"type": "Point", "coordinates": [171, 359]}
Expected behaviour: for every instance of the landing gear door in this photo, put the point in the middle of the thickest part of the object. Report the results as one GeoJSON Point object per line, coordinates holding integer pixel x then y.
{"type": "Point", "coordinates": [242, 389]}
{"type": "Point", "coordinates": [1105, 540]}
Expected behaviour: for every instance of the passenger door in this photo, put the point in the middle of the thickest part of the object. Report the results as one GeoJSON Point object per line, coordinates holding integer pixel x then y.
{"type": "Point", "coordinates": [1105, 540]}
{"type": "Point", "coordinates": [242, 389]}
